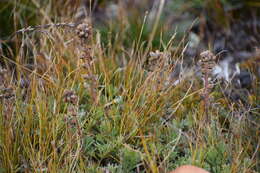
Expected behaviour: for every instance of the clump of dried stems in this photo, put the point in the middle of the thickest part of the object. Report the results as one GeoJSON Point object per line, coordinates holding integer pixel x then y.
{"type": "Point", "coordinates": [83, 32]}
{"type": "Point", "coordinates": [100, 110]}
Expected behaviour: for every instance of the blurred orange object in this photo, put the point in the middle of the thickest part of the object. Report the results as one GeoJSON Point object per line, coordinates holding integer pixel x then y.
{"type": "Point", "coordinates": [189, 169]}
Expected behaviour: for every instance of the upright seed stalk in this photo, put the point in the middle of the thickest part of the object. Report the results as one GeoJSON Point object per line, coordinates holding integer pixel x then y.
{"type": "Point", "coordinates": [207, 62]}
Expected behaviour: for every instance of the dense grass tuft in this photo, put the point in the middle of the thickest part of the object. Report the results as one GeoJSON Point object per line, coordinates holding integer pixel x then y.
{"type": "Point", "coordinates": [87, 98]}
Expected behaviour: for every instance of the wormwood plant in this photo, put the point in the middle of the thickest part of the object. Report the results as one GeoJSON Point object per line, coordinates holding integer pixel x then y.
{"type": "Point", "coordinates": [87, 105]}
{"type": "Point", "coordinates": [207, 63]}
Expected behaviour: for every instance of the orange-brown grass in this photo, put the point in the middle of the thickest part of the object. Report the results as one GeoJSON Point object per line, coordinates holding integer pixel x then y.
{"type": "Point", "coordinates": [108, 113]}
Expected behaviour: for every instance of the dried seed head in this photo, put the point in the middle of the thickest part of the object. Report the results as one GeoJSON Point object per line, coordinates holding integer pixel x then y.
{"type": "Point", "coordinates": [90, 77]}
{"type": "Point", "coordinates": [70, 97]}
{"type": "Point", "coordinates": [83, 31]}
{"type": "Point", "coordinates": [86, 55]}
{"type": "Point", "coordinates": [158, 59]}
{"type": "Point", "coordinates": [207, 56]}
{"type": "Point", "coordinates": [72, 110]}
{"type": "Point", "coordinates": [73, 122]}
{"type": "Point", "coordinates": [207, 62]}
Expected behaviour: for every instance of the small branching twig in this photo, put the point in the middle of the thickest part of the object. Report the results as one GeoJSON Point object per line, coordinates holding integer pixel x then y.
{"type": "Point", "coordinates": [39, 27]}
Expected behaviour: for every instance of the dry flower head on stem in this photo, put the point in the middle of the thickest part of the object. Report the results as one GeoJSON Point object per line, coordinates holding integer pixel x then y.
{"type": "Point", "coordinates": [207, 63]}
{"type": "Point", "coordinates": [70, 97]}
{"type": "Point", "coordinates": [83, 31]}
{"type": "Point", "coordinates": [158, 60]}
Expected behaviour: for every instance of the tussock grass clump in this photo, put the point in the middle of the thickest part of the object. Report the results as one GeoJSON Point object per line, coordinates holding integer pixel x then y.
{"type": "Point", "coordinates": [72, 102]}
